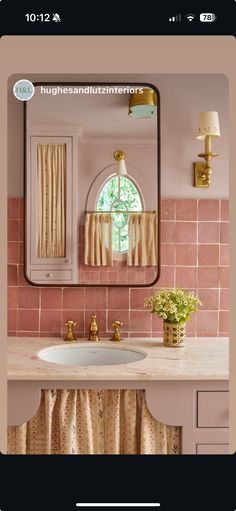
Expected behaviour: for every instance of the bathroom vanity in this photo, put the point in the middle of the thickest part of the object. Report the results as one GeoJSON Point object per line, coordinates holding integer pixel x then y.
{"type": "Point", "coordinates": [186, 387]}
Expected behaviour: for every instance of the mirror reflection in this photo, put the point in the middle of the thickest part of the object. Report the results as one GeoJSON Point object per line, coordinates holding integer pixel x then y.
{"type": "Point", "coordinates": [92, 184]}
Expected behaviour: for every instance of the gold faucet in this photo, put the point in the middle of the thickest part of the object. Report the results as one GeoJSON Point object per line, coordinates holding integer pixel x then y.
{"type": "Point", "coordinates": [93, 331]}
{"type": "Point", "coordinates": [117, 326]}
{"type": "Point", "coordinates": [70, 336]}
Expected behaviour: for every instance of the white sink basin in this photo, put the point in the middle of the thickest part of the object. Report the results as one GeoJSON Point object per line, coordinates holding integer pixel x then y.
{"type": "Point", "coordinates": [89, 355]}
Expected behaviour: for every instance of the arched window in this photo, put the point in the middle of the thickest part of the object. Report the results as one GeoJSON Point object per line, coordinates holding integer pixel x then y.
{"type": "Point", "coordinates": [121, 195]}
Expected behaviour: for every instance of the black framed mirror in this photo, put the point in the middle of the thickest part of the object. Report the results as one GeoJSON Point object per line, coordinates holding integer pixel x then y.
{"type": "Point", "coordinates": [92, 184]}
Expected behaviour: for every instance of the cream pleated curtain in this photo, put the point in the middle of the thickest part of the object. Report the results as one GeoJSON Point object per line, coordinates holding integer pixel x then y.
{"type": "Point", "coordinates": [142, 239]}
{"type": "Point", "coordinates": [51, 193]}
{"type": "Point", "coordinates": [93, 422]}
{"type": "Point", "coordinates": [98, 239]}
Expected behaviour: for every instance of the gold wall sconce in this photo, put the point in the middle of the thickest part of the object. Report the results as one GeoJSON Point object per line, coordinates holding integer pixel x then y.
{"type": "Point", "coordinates": [208, 128]}
{"type": "Point", "coordinates": [143, 105]}
{"type": "Point", "coordinates": [121, 166]}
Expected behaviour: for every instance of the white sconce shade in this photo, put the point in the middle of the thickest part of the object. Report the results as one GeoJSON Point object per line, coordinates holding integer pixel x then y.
{"type": "Point", "coordinates": [208, 124]}
{"type": "Point", "coordinates": [121, 168]}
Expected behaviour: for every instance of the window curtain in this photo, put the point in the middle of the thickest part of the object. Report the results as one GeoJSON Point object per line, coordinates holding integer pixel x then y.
{"type": "Point", "coordinates": [93, 422]}
{"type": "Point", "coordinates": [142, 239]}
{"type": "Point", "coordinates": [98, 239]}
{"type": "Point", "coordinates": [51, 193]}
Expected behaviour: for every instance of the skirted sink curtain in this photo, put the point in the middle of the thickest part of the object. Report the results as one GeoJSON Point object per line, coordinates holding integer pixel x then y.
{"type": "Point", "coordinates": [93, 422]}
{"type": "Point", "coordinates": [142, 229]}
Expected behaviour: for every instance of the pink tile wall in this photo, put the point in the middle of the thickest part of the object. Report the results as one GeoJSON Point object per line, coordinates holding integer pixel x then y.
{"type": "Point", "coordinates": [194, 255]}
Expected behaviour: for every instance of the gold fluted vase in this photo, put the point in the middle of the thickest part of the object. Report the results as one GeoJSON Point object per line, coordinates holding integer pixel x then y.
{"type": "Point", "coordinates": [174, 335]}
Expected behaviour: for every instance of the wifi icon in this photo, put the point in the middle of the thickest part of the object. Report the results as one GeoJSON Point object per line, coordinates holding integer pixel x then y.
{"type": "Point", "coordinates": [190, 17]}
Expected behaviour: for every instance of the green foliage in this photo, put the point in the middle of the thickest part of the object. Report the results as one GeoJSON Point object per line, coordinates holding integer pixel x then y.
{"type": "Point", "coordinates": [173, 305]}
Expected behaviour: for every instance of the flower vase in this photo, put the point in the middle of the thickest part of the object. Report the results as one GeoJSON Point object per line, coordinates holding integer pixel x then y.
{"type": "Point", "coordinates": [174, 334]}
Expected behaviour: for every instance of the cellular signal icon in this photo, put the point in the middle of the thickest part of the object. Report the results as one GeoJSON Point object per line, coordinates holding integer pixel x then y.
{"type": "Point", "coordinates": [176, 18]}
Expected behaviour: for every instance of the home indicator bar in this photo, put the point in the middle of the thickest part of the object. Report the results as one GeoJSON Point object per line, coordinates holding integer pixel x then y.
{"type": "Point", "coordinates": [118, 504]}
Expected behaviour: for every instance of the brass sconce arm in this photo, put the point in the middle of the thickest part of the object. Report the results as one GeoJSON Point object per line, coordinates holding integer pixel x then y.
{"type": "Point", "coordinates": [203, 171]}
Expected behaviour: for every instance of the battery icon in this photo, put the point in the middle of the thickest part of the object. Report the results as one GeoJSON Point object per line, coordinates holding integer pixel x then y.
{"type": "Point", "coordinates": [207, 16]}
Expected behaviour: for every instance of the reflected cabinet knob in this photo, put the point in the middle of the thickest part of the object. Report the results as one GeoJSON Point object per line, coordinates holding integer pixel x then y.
{"type": "Point", "coordinates": [49, 274]}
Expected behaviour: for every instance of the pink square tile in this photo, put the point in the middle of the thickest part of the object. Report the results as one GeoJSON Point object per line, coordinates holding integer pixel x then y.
{"type": "Point", "coordinates": [208, 209]}
{"type": "Point", "coordinates": [209, 299]}
{"type": "Point", "coordinates": [95, 277]}
{"type": "Point", "coordinates": [140, 321]}
{"type": "Point", "coordinates": [167, 277]}
{"type": "Point", "coordinates": [224, 276]}
{"type": "Point", "coordinates": [13, 252]}
{"type": "Point", "coordinates": [13, 230]}
{"type": "Point", "coordinates": [12, 319]}
{"type": "Point", "coordinates": [28, 320]}
{"type": "Point", "coordinates": [168, 208]}
{"type": "Point", "coordinates": [208, 276]}
{"type": "Point", "coordinates": [118, 298]}
{"type": "Point", "coordinates": [74, 315]}
{"type": "Point", "coordinates": [22, 230]}
{"type": "Point", "coordinates": [224, 210]}
{"type": "Point", "coordinates": [28, 298]}
{"type": "Point", "coordinates": [186, 255]}
{"type": "Point", "coordinates": [21, 253]}
{"type": "Point", "coordinates": [22, 207]}
{"type": "Point", "coordinates": [51, 298]}
{"type": "Point", "coordinates": [118, 315]}
{"type": "Point", "coordinates": [95, 298]}
{"type": "Point", "coordinates": [224, 299]}
{"type": "Point", "coordinates": [167, 253]}
{"type": "Point", "coordinates": [207, 322]}
{"type": "Point", "coordinates": [208, 232]}
{"type": "Point", "coordinates": [50, 321]}
{"type": "Point", "coordinates": [113, 277]}
{"type": "Point", "coordinates": [104, 278]}
{"type": "Point", "coordinates": [186, 277]}
{"type": "Point", "coordinates": [73, 298]}
{"type": "Point", "coordinates": [157, 323]}
{"type": "Point", "coordinates": [101, 320]}
{"type": "Point", "coordinates": [12, 297]}
{"type": "Point", "coordinates": [137, 297]}
{"type": "Point", "coordinates": [191, 325]}
{"type": "Point", "coordinates": [167, 232]}
{"type": "Point", "coordinates": [186, 232]}
{"type": "Point", "coordinates": [26, 333]}
{"type": "Point", "coordinates": [224, 232]}
{"type": "Point", "coordinates": [12, 275]}
{"type": "Point", "coordinates": [224, 255]}
{"type": "Point", "coordinates": [22, 280]}
{"type": "Point", "coordinates": [208, 255]}
{"type": "Point", "coordinates": [13, 208]}
{"type": "Point", "coordinates": [186, 209]}
{"type": "Point", "coordinates": [224, 321]}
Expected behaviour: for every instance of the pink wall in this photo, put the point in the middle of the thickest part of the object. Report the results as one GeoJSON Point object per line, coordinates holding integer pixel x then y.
{"type": "Point", "coordinates": [194, 255]}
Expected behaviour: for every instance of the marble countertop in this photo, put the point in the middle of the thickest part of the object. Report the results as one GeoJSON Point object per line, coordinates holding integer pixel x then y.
{"type": "Point", "coordinates": [205, 358]}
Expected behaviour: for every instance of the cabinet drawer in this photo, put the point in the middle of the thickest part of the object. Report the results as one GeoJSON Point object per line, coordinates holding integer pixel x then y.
{"type": "Point", "coordinates": [50, 275]}
{"type": "Point", "coordinates": [213, 409]}
{"type": "Point", "coordinates": [212, 449]}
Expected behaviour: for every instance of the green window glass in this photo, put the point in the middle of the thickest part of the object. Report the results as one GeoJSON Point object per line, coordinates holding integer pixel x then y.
{"type": "Point", "coordinates": [119, 194]}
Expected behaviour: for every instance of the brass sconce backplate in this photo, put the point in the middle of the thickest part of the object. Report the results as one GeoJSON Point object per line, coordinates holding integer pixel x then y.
{"type": "Point", "coordinates": [201, 177]}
